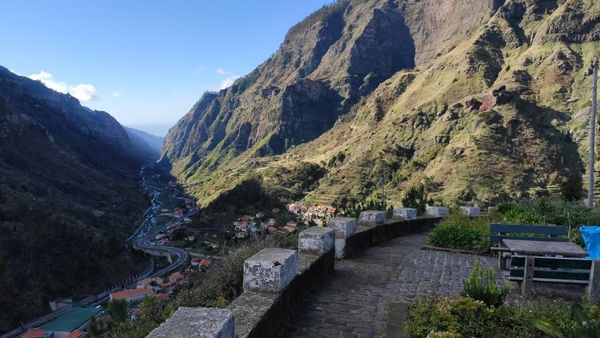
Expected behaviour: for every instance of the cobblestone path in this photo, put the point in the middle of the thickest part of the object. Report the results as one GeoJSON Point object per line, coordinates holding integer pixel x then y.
{"type": "Point", "coordinates": [353, 301]}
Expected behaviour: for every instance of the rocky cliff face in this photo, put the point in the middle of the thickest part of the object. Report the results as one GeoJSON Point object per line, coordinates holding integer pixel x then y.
{"type": "Point", "coordinates": [482, 100]}
{"type": "Point", "coordinates": [68, 197]}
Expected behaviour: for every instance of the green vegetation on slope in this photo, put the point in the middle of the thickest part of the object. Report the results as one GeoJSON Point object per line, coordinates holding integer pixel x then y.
{"type": "Point", "coordinates": [497, 113]}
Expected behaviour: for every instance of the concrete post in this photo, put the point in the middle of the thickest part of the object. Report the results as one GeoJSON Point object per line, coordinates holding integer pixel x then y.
{"type": "Point", "coordinates": [316, 240]}
{"type": "Point", "coordinates": [270, 270]}
{"type": "Point", "coordinates": [471, 211]}
{"type": "Point", "coordinates": [197, 323]}
{"type": "Point", "coordinates": [344, 227]}
{"type": "Point", "coordinates": [372, 217]}
{"type": "Point", "coordinates": [593, 289]}
{"type": "Point", "coordinates": [528, 269]}
{"type": "Point", "coordinates": [437, 211]}
{"type": "Point", "coordinates": [405, 213]}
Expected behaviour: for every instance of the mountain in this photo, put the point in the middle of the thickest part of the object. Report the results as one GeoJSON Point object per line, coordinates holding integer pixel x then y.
{"type": "Point", "coordinates": [475, 100]}
{"type": "Point", "coordinates": [68, 198]}
{"type": "Point", "coordinates": [146, 140]}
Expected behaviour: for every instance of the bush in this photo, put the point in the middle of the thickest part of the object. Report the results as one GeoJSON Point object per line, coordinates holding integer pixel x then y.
{"type": "Point", "coordinates": [415, 198]}
{"type": "Point", "coordinates": [464, 316]}
{"type": "Point", "coordinates": [481, 285]}
{"type": "Point", "coordinates": [549, 211]}
{"type": "Point", "coordinates": [462, 232]}
{"type": "Point", "coordinates": [583, 321]}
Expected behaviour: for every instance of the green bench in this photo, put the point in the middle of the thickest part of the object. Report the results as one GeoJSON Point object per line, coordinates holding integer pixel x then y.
{"type": "Point", "coordinates": [528, 232]}
{"type": "Point", "coordinates": [499, 232]}
{"type": "Point", "coordinates": [530, 269]}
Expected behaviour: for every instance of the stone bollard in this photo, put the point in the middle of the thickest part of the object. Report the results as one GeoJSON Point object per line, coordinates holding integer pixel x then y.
{"type": "Point", "coordinates": [316, 240]}
{"type": "Point", "coordinates": [405, 213]}
{"type": "Point", "coordinates": [372, 217]}
{"type": "Point", "coordinates": [197, 323]}
{"type": "Point", "coordinates": [437, 211]}
{"type": "Point", "coordinates": [344, 227]}
{"type": "Point", "coordinates": [471, 211]}
{"type": "Point", "coordinates": [270, 270]}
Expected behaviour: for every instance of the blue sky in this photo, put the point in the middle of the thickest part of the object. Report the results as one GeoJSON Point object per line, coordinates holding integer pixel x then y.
{"type": "Point", "coordinates": [145, 62]}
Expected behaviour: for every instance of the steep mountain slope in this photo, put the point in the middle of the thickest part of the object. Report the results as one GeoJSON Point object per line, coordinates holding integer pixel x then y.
{"type": "Point", "coordinates": [68, 198]}
{"type": "Point", "coordinates": [478, 100]}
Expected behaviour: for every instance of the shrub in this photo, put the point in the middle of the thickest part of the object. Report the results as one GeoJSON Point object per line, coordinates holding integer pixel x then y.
{"type": "Point", "coordinates": [582, 321]}
{"type": "Point", "coordinates": [481, 285]}
{"type": "Point", "coordinates": [462, 232]}
{"type": "Point", "coordinates": [464, 316]}
{"type": "Point", "coordinates": [415, 198]}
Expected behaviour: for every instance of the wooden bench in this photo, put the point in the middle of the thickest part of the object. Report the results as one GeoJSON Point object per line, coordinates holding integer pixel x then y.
{"type": "Point", "coordinates": [499, 232]}
{"type": "Point", "coordinates": [530, 269]}
{"type": "Point", "coordinates": [535, 232]}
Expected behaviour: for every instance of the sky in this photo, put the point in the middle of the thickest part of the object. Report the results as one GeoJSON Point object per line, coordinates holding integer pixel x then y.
{"type": "Point", "coordinates": [146, 62]}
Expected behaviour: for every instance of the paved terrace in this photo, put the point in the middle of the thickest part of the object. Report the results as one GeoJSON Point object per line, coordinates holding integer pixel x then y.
{"type": "Point", "coordinates": [356, 299]}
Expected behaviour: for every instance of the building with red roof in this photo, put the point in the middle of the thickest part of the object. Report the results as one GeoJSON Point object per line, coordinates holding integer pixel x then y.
{"type": "Point", "coordinates": [35, 333]}
{"type": "Point", "coordinates": [133, 295]}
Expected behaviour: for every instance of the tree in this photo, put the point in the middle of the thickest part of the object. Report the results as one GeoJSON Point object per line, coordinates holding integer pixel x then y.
{"type": "Point", "coordinates": [97, 327]}
{"type": "Point", "coordinates": [415, 198]}
{"type": "Point", "coordinates": [117, 310]}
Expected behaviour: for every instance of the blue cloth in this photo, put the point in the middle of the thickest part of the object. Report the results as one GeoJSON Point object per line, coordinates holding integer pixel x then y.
{"type": "Point", "coordinates": [591, 237]}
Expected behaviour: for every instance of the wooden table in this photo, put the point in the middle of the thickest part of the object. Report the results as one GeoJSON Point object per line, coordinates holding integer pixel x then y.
{"type": "Point", "coordinates": [543, 248]}
{"type": "Point", "coordinates": [537, 248]}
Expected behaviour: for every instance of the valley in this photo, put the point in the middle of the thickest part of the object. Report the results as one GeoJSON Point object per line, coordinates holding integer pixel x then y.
{"type": "Point", "coordinates": [460, 113]}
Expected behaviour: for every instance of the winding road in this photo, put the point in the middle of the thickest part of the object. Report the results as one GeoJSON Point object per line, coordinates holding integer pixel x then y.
{"type": "Point", "coordinates": [141, 238]}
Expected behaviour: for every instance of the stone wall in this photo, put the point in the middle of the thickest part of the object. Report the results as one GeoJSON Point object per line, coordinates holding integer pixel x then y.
{"type": "Point", "coordinates": [276, 280]}
{"type": "Point", "coordinates": [367, 236]}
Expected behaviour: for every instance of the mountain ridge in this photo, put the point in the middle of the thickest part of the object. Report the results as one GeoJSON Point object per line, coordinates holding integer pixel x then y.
{"type": "Point", "coordinates": [486, 77]}
{"type": "Point", "coordinates": [68, 198]}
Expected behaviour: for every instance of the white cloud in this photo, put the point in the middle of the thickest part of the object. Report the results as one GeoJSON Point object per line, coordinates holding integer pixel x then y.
{"type": "Point", "coordinates": [227, 82]}
{"type": "Point", "coordinates": [116, 94]}
{"type": "Point", "coordinates": [83, 91]}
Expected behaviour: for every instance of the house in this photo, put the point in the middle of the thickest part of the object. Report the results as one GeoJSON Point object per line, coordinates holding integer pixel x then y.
{"type": "Point", "coordinates": [132, 295]}
{"type": "Point", "coordinates": [143, 284]}
{"type": "Point", "coordinates": [36, 333]}
{"type": "Point", "coordinates": [272, 221]}
{"type": "Point", "coordinates": [177, 277]}
{"type": "Point", "coordinates": [295, 208]}
{"type": "Point", "coordinates": [60, 303]}
{"type": "Point", "coordinates": [260, 215]}
{"type": "Point", "coordinates": [288, 229]}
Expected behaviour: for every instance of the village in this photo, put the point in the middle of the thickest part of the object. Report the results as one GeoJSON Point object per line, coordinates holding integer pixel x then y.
{"type": "Point", "coordinates": [173, 226]}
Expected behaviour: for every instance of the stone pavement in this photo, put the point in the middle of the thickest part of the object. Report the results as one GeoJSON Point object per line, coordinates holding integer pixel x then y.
{"type": "Point", "coordinates": [354, 300]}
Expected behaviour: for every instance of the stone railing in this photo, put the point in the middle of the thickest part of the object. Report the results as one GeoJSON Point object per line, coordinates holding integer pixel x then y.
{"type": "Point", "coordinates": [276, 280]}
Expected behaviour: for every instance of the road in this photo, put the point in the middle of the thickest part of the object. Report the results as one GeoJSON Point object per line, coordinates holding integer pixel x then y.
{"type": "Point", "coordinates": [142, 237]}
{"type": "Point", "coordinates": [139, 240]}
